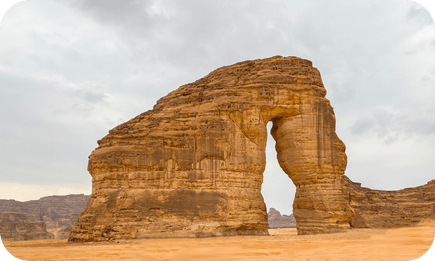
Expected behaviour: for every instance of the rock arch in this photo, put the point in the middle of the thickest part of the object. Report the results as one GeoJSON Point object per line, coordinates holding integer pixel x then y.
{"type": "Point", "coordinates": [193, 165]}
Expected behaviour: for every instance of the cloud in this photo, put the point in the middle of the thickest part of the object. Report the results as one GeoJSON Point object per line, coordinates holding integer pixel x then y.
{"type": "Point", "coordinates": [71, 70]}
{"type": "Point", "coordinates": [362, 125]}
{"type": "Point", "coordinates": [133, 14]}
{"type": "Point", "coordinates": [89, 95]}
{"type": "Point", "coordinates": [389, 125]}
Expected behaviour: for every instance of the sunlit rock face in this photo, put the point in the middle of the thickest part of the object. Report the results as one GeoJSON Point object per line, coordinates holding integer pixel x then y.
{"type": "Point", "coordinates": [193, 166]}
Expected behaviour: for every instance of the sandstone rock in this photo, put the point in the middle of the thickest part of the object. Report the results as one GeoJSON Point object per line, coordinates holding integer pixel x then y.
{"type": "Point", "coordinates": [276, 220]}
{"type": "Point", "coordinates": [64, 233]}
{"type": "Point", "coordinates": [193, 165]}
{"type": "Point", "coordinates": [16, 226]}
{"type": "Point", "coordinates": [388, 209]}
{"type": "Point", "coordinates": [55, 211]}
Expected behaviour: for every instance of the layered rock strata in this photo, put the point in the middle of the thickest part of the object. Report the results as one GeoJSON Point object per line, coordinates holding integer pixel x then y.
{"type": "Point", "coordinates": [55, 211]}
{"type": "Point", "coordinates": [388, 209]}
{"type": "Point", "coordinates": [276, 220]}
{"type": "Point", "coordinates": [193, 165]}
{"type": "Point", "coordinates": [63, 233]}
{"type": "Point", "coordinates": [16, 226]}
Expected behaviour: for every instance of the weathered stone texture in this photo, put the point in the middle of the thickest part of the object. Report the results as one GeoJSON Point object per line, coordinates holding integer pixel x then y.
{"type": "Point", "coordinates": [63, 233]}
{"type": "Point", "coordinates": [388, 209]}
{"type": "Point", "coordinates": [193, 165]}
{"type": "Point", "coordinates": [16, 226]}
{"type": "Point", "coordinates": [276, 220]}
{"type": "Point", "coordinates": [55, 211]}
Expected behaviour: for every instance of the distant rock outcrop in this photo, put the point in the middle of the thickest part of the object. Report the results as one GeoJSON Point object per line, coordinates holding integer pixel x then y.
{"type": "Point", "coordinates": [16, 226]}
{"type": "Point", "coordinates": [55, 211]}
{"type": "Point", "coordinates": [276, 220]}
{"type": "Point", "coordinates": [389, 209]}
{"type": "Point", "coordinates": [64, 233]}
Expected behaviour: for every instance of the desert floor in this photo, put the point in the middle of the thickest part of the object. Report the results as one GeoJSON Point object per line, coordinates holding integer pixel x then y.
{"type": "Point", "coordinates": [283, 244]}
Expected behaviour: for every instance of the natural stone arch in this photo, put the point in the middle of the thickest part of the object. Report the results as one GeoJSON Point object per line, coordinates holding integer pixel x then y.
{"type": "Point", "coordinates": [193, 166]}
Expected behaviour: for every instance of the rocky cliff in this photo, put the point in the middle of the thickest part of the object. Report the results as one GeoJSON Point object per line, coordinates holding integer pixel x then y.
{"type": "Point", "coordinates": [276, 220]}
{"type": "Point", "coordinates": [387, 209]}
{"type": "Point", "coordinates": [55, 211]}
{"type": "Point", "coordinates": [193, 166]}
{"type": "Point", "coordinates": [64, 233]}
{"type": "Point", "coordinates": [16, 226]}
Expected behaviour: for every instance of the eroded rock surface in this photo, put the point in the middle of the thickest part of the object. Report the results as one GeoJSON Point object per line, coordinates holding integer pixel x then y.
{"type": "Point", "coordinates": [64, 233]}
{"type": "Point", "coordinates": [389, 209]}
{"type": "Point", "coordinates": [193, 166]}
{"type": "Point", "coordinates": [55, 211]}
{"type": "Point", "coordinates": [17, 226]}
{"type": "Point", "coordinates": [276, 220]}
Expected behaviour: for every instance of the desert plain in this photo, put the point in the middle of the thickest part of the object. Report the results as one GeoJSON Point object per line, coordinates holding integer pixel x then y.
{"type": "Point", "coordinates": [406, 243]}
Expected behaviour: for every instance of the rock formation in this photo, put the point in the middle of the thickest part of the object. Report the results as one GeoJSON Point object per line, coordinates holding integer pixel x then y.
{"type": "Point", "coordinates": [193, 166]}
{"type": "Point", "coordinates": [55, 211]}
{"type": "Point", "coordinates": [63, 233]}
{"type": "Point", "coordinates": [16, 226]}
{"type": "Point", "coordinates": [388, 209]}
{"type": "Point", "coordinates": [276, 220]}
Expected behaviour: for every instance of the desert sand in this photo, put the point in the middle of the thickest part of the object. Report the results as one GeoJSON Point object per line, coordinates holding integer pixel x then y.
{"type": "Point", "coordinates": [406, 243]}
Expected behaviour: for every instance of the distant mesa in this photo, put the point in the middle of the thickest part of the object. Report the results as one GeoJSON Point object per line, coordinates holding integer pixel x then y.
{"type": "Point", "coordinates": [64, 233]}
{"type": "Point", "coordinates": [390, 209]}
{"type": "Point", "coordinates": [47, 218]}
{"type": "Point", "coordinates": [276, 220]}
{"type": "Point", "coordinates": [16, 226]}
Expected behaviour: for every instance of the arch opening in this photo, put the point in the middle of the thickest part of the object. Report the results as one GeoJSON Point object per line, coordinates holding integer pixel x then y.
{"type": "Point", "coordinates": [277, 189]}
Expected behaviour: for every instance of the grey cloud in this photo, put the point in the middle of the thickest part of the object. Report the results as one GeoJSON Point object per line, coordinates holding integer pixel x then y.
{"type": "Point", "coordinates": [89, 95]}
{"type": "Point", "coordinates": [383, 117]}
{"type": "Point", "coordinates": [199, 32]}
{"type": "Point", "coordinates": [421, 126]}
{"type": "Point", "coordinates": [362, 125]}
{"type": "Point", "coordinates": [391, 127]}
{"type": "Point", "coordinates": [81, 102]}
{"type": "Point", "coordinates": [116, 13]}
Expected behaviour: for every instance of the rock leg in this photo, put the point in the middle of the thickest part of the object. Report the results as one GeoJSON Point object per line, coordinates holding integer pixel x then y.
{"type": "Point", "coordinates": [313, 156]}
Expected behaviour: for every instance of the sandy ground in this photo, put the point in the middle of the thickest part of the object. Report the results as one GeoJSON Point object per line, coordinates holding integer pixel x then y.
{"type": "Point", "coordinates": [283, 244]}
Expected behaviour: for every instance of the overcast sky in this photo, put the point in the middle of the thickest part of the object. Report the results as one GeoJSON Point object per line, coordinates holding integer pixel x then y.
{"type": "Point", "coordinates": [72, 70]}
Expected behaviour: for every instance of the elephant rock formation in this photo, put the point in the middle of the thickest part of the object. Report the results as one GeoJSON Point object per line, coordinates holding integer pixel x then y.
{"type": "Point", "coordinates": [193, 166]}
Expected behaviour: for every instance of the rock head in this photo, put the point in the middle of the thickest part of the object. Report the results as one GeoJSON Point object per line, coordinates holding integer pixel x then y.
{"type": "Point", "coordinates": [193, 165]}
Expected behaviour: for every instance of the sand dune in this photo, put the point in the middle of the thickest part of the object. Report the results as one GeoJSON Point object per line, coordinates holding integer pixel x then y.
{"type": "Point", "coordinates": [358, 244]}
